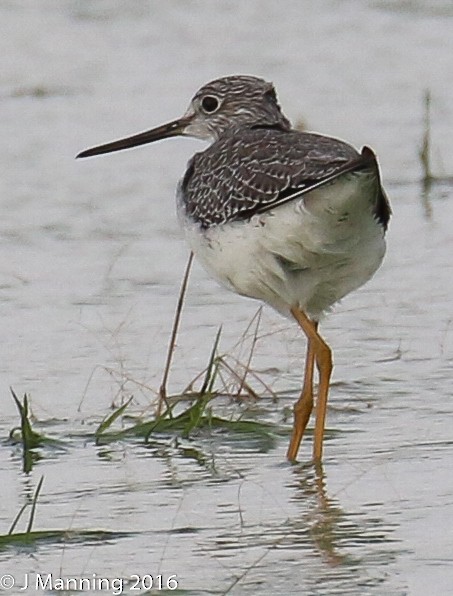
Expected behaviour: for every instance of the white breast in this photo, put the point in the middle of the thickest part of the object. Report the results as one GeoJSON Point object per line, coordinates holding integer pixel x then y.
{"type": "Point", "coordinates": [309, 252]}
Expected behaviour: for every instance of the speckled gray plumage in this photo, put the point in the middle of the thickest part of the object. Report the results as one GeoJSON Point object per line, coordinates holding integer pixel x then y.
{"type": "Point", "coordinates": [251, 170]}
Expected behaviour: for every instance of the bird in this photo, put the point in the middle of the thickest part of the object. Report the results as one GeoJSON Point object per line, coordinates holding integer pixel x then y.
{"type": "Point", "coordinates": [294, 219]}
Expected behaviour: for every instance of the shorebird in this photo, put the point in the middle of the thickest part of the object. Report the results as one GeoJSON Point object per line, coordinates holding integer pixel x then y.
{"type": "Point", "coordinates": [294, 219]}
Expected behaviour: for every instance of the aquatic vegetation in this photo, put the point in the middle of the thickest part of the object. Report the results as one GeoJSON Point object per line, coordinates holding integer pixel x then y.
{"type": "Point", "coordinates": [197, 415]}
{"type": "Point", "coordinates": [29, 438]}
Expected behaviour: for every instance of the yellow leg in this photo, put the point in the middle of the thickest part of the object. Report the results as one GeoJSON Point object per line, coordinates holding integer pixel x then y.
{"type": "Point", "coordinates": [323, 358]}
{"type": "Point", "coordinates": [303, 406]}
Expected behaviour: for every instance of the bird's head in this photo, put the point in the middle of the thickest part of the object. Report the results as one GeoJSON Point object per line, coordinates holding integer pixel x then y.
{"type": "Point", "coordinates": [225, 103]}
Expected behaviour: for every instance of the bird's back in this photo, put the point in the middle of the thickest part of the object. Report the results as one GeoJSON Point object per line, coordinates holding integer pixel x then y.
{"type": "Point", "coordinates": [248, 171]}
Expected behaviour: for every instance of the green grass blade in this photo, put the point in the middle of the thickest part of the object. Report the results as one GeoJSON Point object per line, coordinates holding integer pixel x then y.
{"type": "Point", "coordinates": [59, 536]}
{"type": "Point", "coordinates": [30, 438]}
{"type": "Point", "coordinates": [107, 423]}
{"type": "Point", "coordinates": [17, 518]}
{"type": "Point", "coordinates": [33, 505]}
{"type": "Point", "coordinates": [211, 365]}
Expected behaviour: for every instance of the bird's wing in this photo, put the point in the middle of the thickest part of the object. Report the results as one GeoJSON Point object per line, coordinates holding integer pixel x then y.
{"type": "Point", "coordinates": [259, 169]}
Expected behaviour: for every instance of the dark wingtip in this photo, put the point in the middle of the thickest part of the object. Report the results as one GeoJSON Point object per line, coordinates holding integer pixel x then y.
{"type": "Point", "coordinates": [368, 154]}
{"type": "Point", "coordinates": [383, 211]}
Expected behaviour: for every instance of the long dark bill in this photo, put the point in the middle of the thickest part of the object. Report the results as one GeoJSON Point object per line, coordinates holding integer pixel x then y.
{"type": "Point", "coordinates": [171, 129]}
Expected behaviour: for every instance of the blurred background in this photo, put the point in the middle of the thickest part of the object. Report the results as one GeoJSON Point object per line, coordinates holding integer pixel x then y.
{"type": "Point", "coordinates": [91, 259]}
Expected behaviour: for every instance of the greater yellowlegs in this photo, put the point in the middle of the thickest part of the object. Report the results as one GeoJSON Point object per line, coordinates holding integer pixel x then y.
{"type": "Point", "coordinates": [294, 219]}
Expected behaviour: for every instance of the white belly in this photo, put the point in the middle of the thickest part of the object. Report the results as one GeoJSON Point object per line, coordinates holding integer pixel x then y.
{"type": "Point", "coordinates": [309, 252]}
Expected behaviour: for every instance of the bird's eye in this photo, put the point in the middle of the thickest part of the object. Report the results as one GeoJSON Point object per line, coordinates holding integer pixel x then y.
{"type": "Point", "coordinates": [210, 104]}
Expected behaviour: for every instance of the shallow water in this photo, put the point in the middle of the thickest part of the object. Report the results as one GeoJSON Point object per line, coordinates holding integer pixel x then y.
{"type": "Point", "coordinates": [90, 265]}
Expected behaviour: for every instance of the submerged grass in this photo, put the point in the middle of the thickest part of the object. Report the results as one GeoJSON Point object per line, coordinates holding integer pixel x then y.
{"type": "Point", "coordinates": [24, 507]}
{"type": "Point", "coordinates": [53, 536]}
{"type": "Point", "coordinates": [31, 537]}
{"type": "Point", "coordinates": [29, 438]}
{"type": "Point", "coordinates": [425, 151]}
{"type": "Point", "coordinates": [196, 416]}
